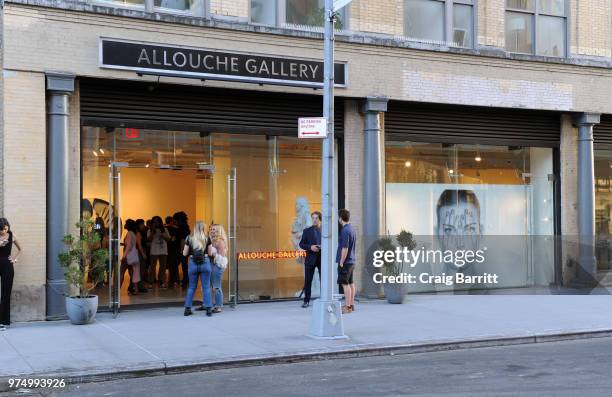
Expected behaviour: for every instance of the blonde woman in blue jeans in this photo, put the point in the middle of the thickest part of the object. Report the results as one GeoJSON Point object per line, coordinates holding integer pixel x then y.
{"type": "Point", "coordinates": [198, 249]}
{"type": "Point", "coordinates": [218, 239]}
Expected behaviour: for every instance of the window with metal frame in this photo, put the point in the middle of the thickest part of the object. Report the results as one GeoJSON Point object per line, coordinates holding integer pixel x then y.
{"type": "Point", "coordinates": [197, 8]}
{"type": "Point", "coordinates": [537, 27]}
{"type": "Point", "coordinates": [446, 22]}
{"type": "Point", "coordinates": [292, 13]}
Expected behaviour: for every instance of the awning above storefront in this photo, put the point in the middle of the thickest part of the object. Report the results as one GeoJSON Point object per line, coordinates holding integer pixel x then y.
{"type": "Point", "coordinates": [602, 133]}
{"type": "Point", "coordinates": [117, 103]}
{"type": "Point", "coordinates": [425, 122]}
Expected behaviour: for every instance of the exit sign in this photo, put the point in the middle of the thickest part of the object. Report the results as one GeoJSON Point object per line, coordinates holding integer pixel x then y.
{"type": "Point", "coordinates": [132, 134]}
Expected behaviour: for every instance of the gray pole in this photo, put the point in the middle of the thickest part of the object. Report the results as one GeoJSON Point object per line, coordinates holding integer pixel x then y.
{"type": "Point", "coordinates": [327, 313]}
{"type": "Point", "coordinates": [59, 86]}
{"type": "Point", "coordinates": [374, 177]}
{"type": "Point", "coordinates": [586, 197]}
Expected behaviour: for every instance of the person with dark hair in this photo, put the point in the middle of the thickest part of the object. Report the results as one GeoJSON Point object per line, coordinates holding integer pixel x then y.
{"type": "Point", "coordinates": [311, 243]}
{"type": "Point", "coordinates": [183, 231]}
{"type": "Point", "coordinates": [173, 251]}
{"type": "Point", "coordinates": [345, 258]}
{"type": "Point", "coordinates": [7, 271]}
{"type": "Point", "coordinates": [130, 258]}
{"type": "Point", "coordinates": [147, 274]}
{"type": "Point", "coordinates": [158, 237]}
{"type": "Point", "coordinates": [141, 245]}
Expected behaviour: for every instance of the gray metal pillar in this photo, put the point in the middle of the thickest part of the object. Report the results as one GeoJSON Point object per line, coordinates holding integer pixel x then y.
{"type": "Point", "coordinates": [59, 88]}
{"type": "Point", "coordinates": [373, 188]}
{"type": "Point", "coordinates": [374, 168]}
{"type": "Point", "coordinates": [586, 196]}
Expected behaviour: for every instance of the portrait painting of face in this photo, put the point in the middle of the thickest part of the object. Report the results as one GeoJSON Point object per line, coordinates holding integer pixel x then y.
{"type": "Point", "coordinates": [458, 225]}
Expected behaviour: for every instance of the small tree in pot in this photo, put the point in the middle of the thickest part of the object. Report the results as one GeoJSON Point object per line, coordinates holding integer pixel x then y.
{"type": "Point", "coordinates": [396, 292]}
{"type": "Point", "coordinates": [85, 263]}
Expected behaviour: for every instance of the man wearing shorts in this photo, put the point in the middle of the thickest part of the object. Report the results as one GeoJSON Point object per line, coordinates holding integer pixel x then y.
{"type": "Point", "coordinates": [345, 257]}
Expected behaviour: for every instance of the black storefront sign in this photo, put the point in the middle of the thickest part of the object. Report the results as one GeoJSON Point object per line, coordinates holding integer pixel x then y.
{"type": "Point", "coordinates": [166, 60]}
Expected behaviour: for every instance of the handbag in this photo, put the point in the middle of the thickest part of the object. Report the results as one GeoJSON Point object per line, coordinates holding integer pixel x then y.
{"type": "Point", "coordinates": [132, 256]}
{"type": "Point", "coordinates": [221, 261]}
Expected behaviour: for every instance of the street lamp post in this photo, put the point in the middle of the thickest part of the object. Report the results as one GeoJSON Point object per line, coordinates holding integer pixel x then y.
{"type": "Point", "coordinates": [326, 319]}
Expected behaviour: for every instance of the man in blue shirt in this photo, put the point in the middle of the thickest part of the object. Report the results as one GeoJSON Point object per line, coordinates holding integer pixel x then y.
{"type": "Point", "coordinates": [311, 243]}
{"type": "Point", "coordinates": [345, 257]}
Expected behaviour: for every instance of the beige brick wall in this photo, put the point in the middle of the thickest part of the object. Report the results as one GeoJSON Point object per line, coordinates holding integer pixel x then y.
{"type": "Point", "coordinates": [591, 27]}
{"type": "Point", "coordinates": [24, 186]}
{"type": "Point", "coordinates": [235, 8]}
{"type": "Point", "coordinates": [35, 40]}
{"type": "Point", "coordinates": [354, 152]}
{"type": "Point", "coordinates": [491, 22]}
{"type": "Point", "coordinates": [382, 16]}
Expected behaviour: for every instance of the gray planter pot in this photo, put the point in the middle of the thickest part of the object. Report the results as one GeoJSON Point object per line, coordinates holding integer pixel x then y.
{"type": "Point", "coordinates": [395, 293]}
{"type": "Point", "coordinates": [82, 310]}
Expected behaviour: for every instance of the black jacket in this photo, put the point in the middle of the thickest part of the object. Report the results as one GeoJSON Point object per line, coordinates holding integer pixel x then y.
{"type": "Point", "coordinates": [311, 236]}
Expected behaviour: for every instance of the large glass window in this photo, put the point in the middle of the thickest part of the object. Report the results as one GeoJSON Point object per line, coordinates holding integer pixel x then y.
{"type": "Point", "coordinates": [536, 27]}
{"type": "Point", "coordinates": [293, 13]}
{"type": "Point", "coordinates": [127, 3]}
{"type": "Point", "coordinates": [264, 11]}
{"type": "Point", "coordinates": [603, 208]}
{"type": "Point", "coordinates": [177, 5]}
{"type": "Point", "coordinates": [278, 181]}
{"type": "Point", "coordinates": [519, 32]}
{"type": "Point", "coordinates": [426, 20]}
{"type": "Point", "coordinates": [462, 25]}
{"type": "Point", "coordinates": [460, 196]}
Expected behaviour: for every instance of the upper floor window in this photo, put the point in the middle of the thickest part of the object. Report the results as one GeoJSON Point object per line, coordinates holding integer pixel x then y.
{"type": "Point", "coordinates": [536, 27]}
{"type": "Point", "coordinates": [178, 5]}
{"type": "Point", "coordinates": [127, 3]}
{"type": "Point", "coordinates": [293, 12]}
{"type": "Point", "coordinates": [443, 21]}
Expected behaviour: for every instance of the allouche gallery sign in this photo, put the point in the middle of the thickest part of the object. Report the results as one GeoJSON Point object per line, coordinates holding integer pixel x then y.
{"type": "Point", "coordinates": [179, 61]}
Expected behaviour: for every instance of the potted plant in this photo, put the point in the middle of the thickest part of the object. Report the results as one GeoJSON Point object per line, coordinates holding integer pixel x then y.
{"type": "Point", "coordinates": [85, 263]}
{"type": "Point", "coordinates": [396, 292]}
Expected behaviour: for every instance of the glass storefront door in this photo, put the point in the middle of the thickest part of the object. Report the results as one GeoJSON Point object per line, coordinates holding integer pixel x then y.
{"type": "Point", "coordinates": [260, 188]}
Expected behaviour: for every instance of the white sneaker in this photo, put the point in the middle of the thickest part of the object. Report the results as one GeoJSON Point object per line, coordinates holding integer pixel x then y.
{"type": "Point", "coordinates": [2, 327]}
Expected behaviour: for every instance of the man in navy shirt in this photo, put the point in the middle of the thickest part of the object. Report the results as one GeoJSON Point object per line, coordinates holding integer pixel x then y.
{"type": "Point", "coordinates": [345, 257]}
{"type": "Point", "coordinates": [311, 243]}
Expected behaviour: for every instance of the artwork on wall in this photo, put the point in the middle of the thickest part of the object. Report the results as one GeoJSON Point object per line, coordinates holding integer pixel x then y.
{"type": "Point", "coordinates": [467, 217]}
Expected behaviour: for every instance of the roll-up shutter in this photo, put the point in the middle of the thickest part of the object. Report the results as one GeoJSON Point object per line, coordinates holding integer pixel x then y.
{"type": "Point", "coordinates": [602, 133]}
{"type": "Point", "coordinates": [466, 124]}
{"type": "Point", "coordinates": [116, 103]}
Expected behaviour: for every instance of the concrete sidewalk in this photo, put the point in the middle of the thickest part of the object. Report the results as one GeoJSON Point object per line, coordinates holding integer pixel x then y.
{"type": "Point", "coordinates": [163, 341]}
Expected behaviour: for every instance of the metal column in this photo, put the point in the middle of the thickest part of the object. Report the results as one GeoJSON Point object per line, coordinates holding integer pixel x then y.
{"type": "Point", "coordinates": [374, 184]}
{"type": "Point", "coordinates": [59, 88]}
{"type": "Point", "coordinates": [586, 197]}
{"type": "Point", "coordinates": [374, 168]}
{"type": "Point", "coordinates": [327, 314]}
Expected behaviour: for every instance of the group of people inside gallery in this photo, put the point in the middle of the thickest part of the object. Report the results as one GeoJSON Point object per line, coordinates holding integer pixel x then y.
{"type": "Point", "coordinates": [167, 254]}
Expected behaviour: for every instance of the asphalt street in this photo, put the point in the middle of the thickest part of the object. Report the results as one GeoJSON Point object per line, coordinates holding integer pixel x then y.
{"type": "Point", "coordinates": [572, 368]}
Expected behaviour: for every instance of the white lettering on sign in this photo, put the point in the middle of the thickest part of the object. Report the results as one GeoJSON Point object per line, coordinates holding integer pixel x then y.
{"type": "Point", "coordinates": [312, 127]}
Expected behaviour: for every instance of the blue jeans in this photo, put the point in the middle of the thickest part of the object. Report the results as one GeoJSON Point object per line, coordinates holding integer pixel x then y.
{"type": "Point", "coordinates": [217, 275]}
{"type": "Point", "coordinates": [203, 271]}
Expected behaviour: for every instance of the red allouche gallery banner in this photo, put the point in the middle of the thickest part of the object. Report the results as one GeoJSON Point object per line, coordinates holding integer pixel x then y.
{"type": "Point", "coordinates": [271, 255]}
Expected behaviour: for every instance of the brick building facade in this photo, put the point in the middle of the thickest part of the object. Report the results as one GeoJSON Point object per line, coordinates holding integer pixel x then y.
{"type": "Point", "coordinates": [384, 60]}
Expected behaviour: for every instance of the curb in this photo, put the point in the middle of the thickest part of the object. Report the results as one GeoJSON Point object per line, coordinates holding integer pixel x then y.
{"type": "Point", "coordinates": [163, 368]}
